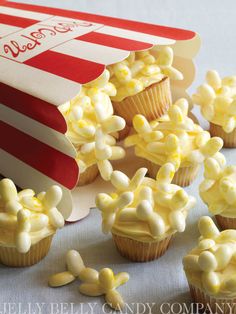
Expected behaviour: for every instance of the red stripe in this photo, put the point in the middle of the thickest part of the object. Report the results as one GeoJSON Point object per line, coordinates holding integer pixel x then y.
{"type": "Point", "coordinates": [16, 21]}
{"type": "Point", "coordinates": [47, 160]}
{"type": "Point", "coordinates": [114, 41]}
{"type": "Point", "coordinates": [32, 107]}
{"type": "Point", "coordinates": [75, 69]}
{"type": "Point", "coordinates": [157, 30]}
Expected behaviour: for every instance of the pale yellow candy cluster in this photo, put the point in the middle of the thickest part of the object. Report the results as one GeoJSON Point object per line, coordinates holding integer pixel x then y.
{"type": "Point", "coordinates": [211, 265]}
{"type": "Point", "coordinates": [94, 283]}
{"type": "Point", "coordinates": [174, 138]}
{"type": "Point", "coordinates": [92, 126]}
{"type": "Point", "coordinates": [218, 190]}
{"type": "Point", "coordinates": [142, 208]}
{"type": "Point", "coordinates": [217, 98]}
{"type": "Point", "coordinates": [142, 69]}
{"type": "Point", "coordinates": [25, 219]}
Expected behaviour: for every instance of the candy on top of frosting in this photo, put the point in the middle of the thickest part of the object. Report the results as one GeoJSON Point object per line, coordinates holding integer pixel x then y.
{"type": "Point", "coordinates": [217, 98]}
{"type": "Point", "coordinates": [144, 208]}
{"type": "Point", "coordinates": [174, 138]}
{"type": "Point", "coordinates": [25, 219]}
{"type": "Point", "coordinates": [94, 283]}
{"type": "Point", "coordinates": [211, 265]}
{"type": "Point", "coordinates": [142, 69]}
{"type": "Point", "coordinates": [92, 126]}
{"type": "Point", "coordinates": [218, 189]}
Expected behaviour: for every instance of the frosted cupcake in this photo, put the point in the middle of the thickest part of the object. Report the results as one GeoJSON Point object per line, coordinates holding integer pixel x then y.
{"type": "Point", "coordinates": [143, 214]}
{"type": "Point", "coordinates": [143, 83]}
{"type": "Point", "coordinates": [92, 129]}
{"type": "Point", "coordinates": [173, 138]}
{"type": "Point", "coordinates": [210, 268]}
{"type": "Point", "coordinates": [217, 99]}
{"type": "Point", "coordinates": [27, 223]}
{"type": "Point", "coordinates": [218, 191]}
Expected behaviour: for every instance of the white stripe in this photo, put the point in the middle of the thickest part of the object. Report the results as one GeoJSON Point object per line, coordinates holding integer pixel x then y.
{"type": "Point", "coordinates": [26, 14]}
{"type": "Point", "coordinates": [8, 29]}
{"type": "Point", "coordinates": [92, 52]}
{"type": "Point", "coordinates": [38, 83]}
{"type": "Point", "coordinates": [46, 41]}
{"type": "Point", "coordinates": [146, 38]}
{"type": "Point", "coordinates": [21, 173]}
{"type": "Point", "coordinates": [37, 130]}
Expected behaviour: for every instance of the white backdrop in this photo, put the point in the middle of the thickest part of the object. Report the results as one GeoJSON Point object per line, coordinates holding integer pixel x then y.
{"type": "Point", "coordinates": [159, 281]}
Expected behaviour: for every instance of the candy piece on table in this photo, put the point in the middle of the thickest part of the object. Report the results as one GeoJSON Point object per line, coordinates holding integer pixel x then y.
{"type": "Point", "coordinates": [94, 283]}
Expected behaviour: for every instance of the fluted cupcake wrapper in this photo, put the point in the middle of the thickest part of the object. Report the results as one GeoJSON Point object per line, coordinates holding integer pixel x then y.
{"type": "Point", "coordinates": [183, 177]}
{"type": "Point", "coordinates": [11, 257]}
{"type": "Point", "coordinates": [138, 251]}
{"type": "Point", "coordinates": [152, 102]}
{"type": "Point", "coordinates": [88, 176]}
{"type": "Point", "coordinates": [226, 222]}
{"type": "Point", "coordinates": [212, 304]}
{"type": "Point", "coordinates": [228, 138]}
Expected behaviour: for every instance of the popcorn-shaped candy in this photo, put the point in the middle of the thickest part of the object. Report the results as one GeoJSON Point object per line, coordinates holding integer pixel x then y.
{"type": "Point", "coordinates": [210, 266]}
{"type": "Point", "coordinates": [217, 100]}
{"type": "Point", "coordinates": [140, 70]}
{"type": "Point", "coordinates": [29, 217]}
{"type": "Point", "coordinates": [218, 189]}
{"type": "Point", "coordinates": [174, 139]}
{"type": "Point", "coordinates": [141, 202]}
{"type": "Point", "coordinates": [92, 126]}
{"type": "Point", "coordinates": [94, 283]}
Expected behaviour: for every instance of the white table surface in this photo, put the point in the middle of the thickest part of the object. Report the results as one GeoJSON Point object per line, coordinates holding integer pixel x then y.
{"type": "Point", "coordinates": [155, 282]}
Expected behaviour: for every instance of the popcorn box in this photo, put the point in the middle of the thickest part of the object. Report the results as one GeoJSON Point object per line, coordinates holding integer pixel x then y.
{"type": "Point", "coordinates": [46, 55]}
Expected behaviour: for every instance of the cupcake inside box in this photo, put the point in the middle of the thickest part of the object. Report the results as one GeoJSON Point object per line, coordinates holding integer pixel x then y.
{"type": "Point", "coordinates": [60, 106]}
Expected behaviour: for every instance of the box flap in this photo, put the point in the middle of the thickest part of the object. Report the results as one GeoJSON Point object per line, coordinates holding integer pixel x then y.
{"type": "Point", "coordinates": [46, 54]}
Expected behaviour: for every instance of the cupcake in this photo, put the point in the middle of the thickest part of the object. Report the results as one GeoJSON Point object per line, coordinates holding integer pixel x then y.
{"type": "Point", "coordinates": [210, 268]}
{"type": "Point", "coordinates": [173, 138]}
{"type": "Point", "coordinates": [92, 129]}
{"type": "Point", "coordinates": [217, 99]}
{"type": "Point", "coordinates": [143, 83]}
{"type": "Point", "coordinates": [143, 214]}
{"type": "Point", "coordinates": [218, 190]}
{"type": "Point", "coordinates": [27, 223]}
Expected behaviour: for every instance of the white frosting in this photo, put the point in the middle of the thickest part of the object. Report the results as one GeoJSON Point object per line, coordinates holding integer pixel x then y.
{"type": "Point", "coordinates": [173, 138]}
{"type": "Point", "coordinates": [217, 98]}
{"type": "Point", "coordinates": [92, 127]}
{"type": "Point", "coordinates": [25, 219]}
{"type": "Point", "coordinates": [218, 189]}
{"type": "Point", "coordinates": [211, 266]}
{"type": "Point", "coordinates": [142, 69]}
{"type": "Point", "coordinates": [142, 208]}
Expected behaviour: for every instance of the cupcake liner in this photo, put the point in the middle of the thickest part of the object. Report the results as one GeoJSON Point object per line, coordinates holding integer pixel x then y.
{"type": "Point", "coordinates": [226, 222]}
{"type": "Point", "coordinates": [152, 102]}
{"type": "Point", "coordinates": [88, 176]}
{"type": "Point", "coordinates": [228, 138]}
{"type": "Point", "coordinates": [11, 257]}
{"type": "Point", "coordinates": [183, 177]}
{"type": "Point", "coordinates": [138, 251]}
{"type": "Point", "coordinates": [212, 304]}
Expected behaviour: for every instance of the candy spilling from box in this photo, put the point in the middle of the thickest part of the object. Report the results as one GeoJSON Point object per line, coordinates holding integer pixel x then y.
{"type": "Point", "coordinates": [47, 57]}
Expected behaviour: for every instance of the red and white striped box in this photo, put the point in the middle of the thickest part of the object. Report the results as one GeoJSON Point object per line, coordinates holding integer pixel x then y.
{"type": "Point", "coordinates": [46, 54]}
